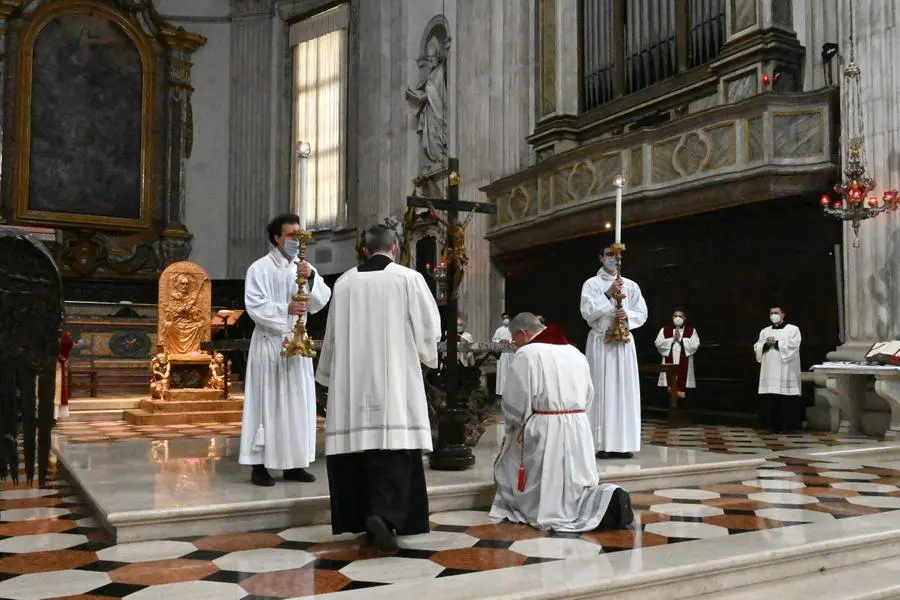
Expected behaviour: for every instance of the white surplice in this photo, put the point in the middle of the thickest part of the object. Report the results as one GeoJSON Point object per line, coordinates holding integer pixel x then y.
{"type": "Point", "coordinates": [561, 490]}
{"type": "Point", "coordinates": [779, 371]}
{"type": "Point", "coordinates": [278, 428]}
{"type": "Point", "coordinates": [466, 359]}
{"type": "Point", "coordinates": [505, 360]}
{"type": "Point", "coordinates": [616, 411]}
{"type": "Point", "coordinates": [381, 326]}
{"type": "Point", "coordinates": [666, 345]}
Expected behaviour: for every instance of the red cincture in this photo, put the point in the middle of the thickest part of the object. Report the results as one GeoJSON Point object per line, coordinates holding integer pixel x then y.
{"type": "Point", "coordinates": [521, 439]}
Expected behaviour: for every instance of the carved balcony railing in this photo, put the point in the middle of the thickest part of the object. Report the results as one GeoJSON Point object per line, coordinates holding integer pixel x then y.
{"type": "Point", "coordinates": [767, 146]}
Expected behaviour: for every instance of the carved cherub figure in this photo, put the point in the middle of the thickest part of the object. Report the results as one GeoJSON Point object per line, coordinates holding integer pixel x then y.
{"type": "Point", "coordinates": [455, 253]}
{"type": "Point", "coordinates": [161, 370]}
{"type": "Point", "coordinates": [217, 370]}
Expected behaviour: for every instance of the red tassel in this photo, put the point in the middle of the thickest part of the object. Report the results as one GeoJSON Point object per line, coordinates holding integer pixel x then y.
{"type": "Point", "coordinates": [521, 478]}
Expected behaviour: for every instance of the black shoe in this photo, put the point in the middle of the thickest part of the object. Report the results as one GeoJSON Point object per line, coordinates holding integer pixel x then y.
{"type": "Point", "coordinates": [603, 455]}
{"type": "Point", "coordinates": [619, 513]}
{"type": "Point", "coordinates": [380, 534]}
{"type": "Point", "coordinates": [621, 454]}
{"type": "Point", "coordinates": [301, 475]}
{"type": "Point", "coordinates": [260, 476]}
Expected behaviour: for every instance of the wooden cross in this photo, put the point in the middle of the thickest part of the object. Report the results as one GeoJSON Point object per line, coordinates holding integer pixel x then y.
{"type": "Point", "coordinates": [451, 453]}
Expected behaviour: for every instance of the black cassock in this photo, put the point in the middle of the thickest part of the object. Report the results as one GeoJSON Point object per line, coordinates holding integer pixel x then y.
{"type": "Point", "coordinates": [387, 483]}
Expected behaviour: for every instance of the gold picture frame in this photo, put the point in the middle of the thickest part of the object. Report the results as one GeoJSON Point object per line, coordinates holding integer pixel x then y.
{"type": "Point", "coordinates": [23, 212]}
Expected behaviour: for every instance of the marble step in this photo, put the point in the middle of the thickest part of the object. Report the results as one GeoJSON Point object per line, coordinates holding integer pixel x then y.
{"type": "Point", "coordinates": [142, 417]}
{"type": "Point", "coordinates": [113, 403]}
{"type": "Point", "coordinates": [190, 395]}
{"type": "Point", "coordinates": [185, 406]}
{"type": "Point", "coordinates": [856, 558]}
{"type": "Point", "coordinates": [876, 580]}
{"type": "Point", "coordinates": [90, 415]}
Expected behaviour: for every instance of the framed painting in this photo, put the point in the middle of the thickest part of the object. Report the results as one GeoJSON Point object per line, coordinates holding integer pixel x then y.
{"type": "Point", "coordinates": [85, 119]}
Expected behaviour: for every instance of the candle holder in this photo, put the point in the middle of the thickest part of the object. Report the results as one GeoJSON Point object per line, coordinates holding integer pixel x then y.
{"type": "Point", "coordinates": [299, 344]}
{"type": "Point", "coordinates": [619, 332]}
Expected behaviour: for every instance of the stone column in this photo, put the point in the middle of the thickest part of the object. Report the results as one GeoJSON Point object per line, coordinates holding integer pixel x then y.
{"type": "Point", "coordinates": [872, 271]}
{"type": "Point", "coordinates": [250, 139]}
{"type": "Point", "coordinates": [180, 133]}
{"type": "Point", "coordinates": [7, 7]}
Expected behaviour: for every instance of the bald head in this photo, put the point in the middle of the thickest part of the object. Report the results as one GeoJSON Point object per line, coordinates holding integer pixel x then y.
{"type": "Point", "coordinates": [523, 327]}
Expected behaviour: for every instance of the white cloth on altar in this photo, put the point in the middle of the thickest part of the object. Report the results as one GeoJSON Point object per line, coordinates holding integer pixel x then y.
{"type": "Point", "coordinates": [615, 413]}
{"type": "Point", "coordinates": [561, 492]}
{"type": "Point", "coordinates": [278, 429]}
{"type": "Point", "coordinates": [505, 360]}
{"type": "Point", "coordinates": [779, 370]}
{"type": "Point", "coordinates": [466, 359]}
{"type": "Point", "coordinates": [381, 326]}
{"type": "Point", "coordinates": [666, 345]}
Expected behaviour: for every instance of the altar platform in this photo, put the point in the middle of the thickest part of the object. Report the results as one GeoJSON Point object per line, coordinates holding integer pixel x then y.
{"type": "Point", "coordinates": [144, 489]}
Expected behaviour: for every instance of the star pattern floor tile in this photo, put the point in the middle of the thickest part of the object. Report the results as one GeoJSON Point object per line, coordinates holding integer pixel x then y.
{"type": "Point", "coordinates": [61, 553]}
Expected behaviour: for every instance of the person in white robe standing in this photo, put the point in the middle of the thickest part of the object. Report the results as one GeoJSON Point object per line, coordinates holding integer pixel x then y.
{"type": "Point", "coordinates": [278, 429]}
{"type": "Point", "coordinates": [778, 353]}
{"type": "Point", "coordinates": [502, 334]}
{"type": "Point", "coordinates": [383, 322]}
{"type": "Point", "coordinates": [546, 473]}
{"type": "Point", "coordinates": [677, 343]}
{"type": "Point", "coordinates": [615, 413]}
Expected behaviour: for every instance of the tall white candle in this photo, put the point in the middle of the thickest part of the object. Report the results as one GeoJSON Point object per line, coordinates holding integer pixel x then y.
{"type": "Point", "coordinates": [302, 167]}
{"type": "Point", "coordinates": [619, 185]}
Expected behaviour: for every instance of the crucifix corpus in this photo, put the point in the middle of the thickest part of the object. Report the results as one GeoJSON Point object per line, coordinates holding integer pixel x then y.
{"type": "Point", "coordinates": [451, 452]}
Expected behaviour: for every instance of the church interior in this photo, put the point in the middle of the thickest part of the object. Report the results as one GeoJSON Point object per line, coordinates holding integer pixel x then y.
{"type": "Point", "coordinates": [741, 154]}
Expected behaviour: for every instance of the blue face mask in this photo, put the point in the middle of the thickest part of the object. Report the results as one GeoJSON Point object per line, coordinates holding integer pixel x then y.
{"type": "Point", "coordinates": [610, 263]}
{"type": "Point", "coordinates": [291, 247]}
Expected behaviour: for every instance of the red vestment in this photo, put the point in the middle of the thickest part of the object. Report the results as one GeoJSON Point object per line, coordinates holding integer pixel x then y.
{"type": "Point", "coordinates": [686, 332]}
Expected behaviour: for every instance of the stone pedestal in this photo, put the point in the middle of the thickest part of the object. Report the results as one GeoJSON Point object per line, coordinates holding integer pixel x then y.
{"type": "Point", "coordinates": [186, 406]}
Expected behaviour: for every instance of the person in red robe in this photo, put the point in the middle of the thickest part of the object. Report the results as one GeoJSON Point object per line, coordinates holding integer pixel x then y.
{"type": "Point", "coordinates": [677, 343]}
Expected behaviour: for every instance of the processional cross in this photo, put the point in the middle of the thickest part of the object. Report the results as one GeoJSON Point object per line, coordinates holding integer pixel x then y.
{"type": "Point", "coordinates": [452, 453]}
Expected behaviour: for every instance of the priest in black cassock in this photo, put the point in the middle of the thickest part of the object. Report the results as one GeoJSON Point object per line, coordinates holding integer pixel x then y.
{"type": "Point", "coordinates": [382, 324]}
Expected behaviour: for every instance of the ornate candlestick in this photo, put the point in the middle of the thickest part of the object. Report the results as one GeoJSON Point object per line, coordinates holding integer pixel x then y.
{"type": "Point", "coordinates": [299, 343]}
{"type": "Point", "coordinates": [619, 332]}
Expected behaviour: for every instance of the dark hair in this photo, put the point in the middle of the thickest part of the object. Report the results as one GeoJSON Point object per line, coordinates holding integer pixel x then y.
{"type": "Point", "coordinates": [506, 314]}
{"type": "Point", "coordinates": [275, 225]}
{"type": "Point", "coordinates": [379, 238]}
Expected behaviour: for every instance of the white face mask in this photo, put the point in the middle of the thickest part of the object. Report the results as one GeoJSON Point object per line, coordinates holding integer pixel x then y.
{"type": "Point", "coordinates": [291, 247]}
{"type": "Point", "coordinates": [679, 321]}
{"type": "Point", "coordinates": [775, 318]}
{"type": "Point", "coordinates": [609, 263]}
{"type": "Point", "coordinates": [506, 321]}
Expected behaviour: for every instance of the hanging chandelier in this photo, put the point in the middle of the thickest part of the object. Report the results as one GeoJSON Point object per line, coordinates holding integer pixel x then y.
{"type": "Point", "coordinates": [855, 202]}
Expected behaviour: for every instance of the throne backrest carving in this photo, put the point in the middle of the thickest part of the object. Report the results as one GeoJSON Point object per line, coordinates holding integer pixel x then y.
{"type": "Point", "coordinates": [185, 306]}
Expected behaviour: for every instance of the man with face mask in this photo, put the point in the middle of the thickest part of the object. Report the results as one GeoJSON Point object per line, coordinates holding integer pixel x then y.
{"type": "Point", "coordinates": [466, 359]}
{"type": "Point", "coordinates": [502, 335]}
{"type": "Point", "coordinates": [545, 472]}
{"type": "Point", "coordinates": [778, 353]}
{"type": "Point", "coordinates": [677, 343]}
{"type": "Point", "coordinates": [278, 430]}
{"type": "Point", "coordinates": [382, 323]}
{"type": "Point", "coordinates": [615, 413]}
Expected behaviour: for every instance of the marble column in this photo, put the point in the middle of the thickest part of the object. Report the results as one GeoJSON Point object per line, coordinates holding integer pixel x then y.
{"type": "Point", "coordinates": [250, 159]}
{"type": "Point", "coordinates": [496, 78]}
{"type": "Point", "coordinates": [872, 271]}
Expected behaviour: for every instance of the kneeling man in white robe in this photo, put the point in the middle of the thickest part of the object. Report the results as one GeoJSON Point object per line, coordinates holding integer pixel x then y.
{"type": "Point", "coordinates": [616, 411]}
{"type": "Point", "coordinates": [278, 430]}
{"type": "Point", "coordinates": [778, 353]}
{"type": "Point", "coordinates": [546, 473]}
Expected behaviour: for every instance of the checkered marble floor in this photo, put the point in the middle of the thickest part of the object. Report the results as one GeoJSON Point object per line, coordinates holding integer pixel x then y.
{"type": "Point", "coordinates": [50, 548]}
{"type": "Point", "coordinates": [742, 440]}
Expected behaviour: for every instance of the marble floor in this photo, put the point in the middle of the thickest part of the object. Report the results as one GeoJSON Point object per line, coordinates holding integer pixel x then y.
{"type": "Point", "coordinates": [50, 548]}
{"type": "Point", "coordinates": [808, 489]}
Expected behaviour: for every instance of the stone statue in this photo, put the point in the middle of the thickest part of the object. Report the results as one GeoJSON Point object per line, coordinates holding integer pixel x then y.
{"type": "Point", "coordinates": [185, 306]}
{"type": "Point", "coordinates": [161, 370]}
{"type": "Point", "coordinates": [429, 99]}
{"type": "Point", "coordinates": [217, 371]}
